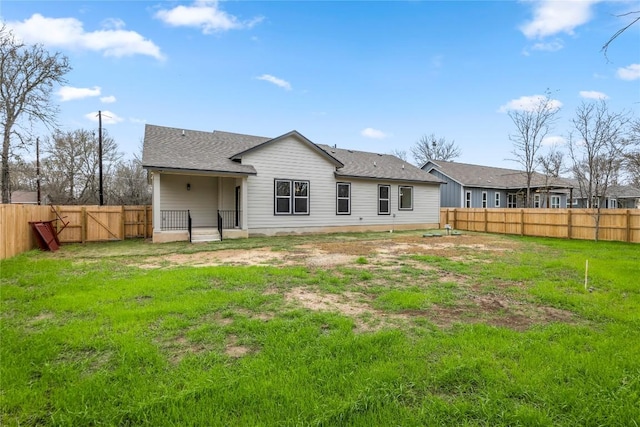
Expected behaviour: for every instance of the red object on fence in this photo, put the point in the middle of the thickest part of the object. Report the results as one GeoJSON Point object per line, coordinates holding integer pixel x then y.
{"type": "Point", "coordinates": [45, 235]}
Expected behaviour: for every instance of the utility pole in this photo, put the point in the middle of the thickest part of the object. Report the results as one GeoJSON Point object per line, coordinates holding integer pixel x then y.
{"type": "Point", "coordinates": [38, 169]}
{"type": "Point", "coordinates": [100, 157]}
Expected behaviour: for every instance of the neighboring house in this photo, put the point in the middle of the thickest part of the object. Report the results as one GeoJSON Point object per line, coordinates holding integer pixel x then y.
{"type": "Point", "coordinates": [617, 197]}
{"type": "Point", "coordinates": [475, 186]}
{"type": "Point", "coordinates": [28, 198]}
{"type": "Point", "coordinates": [248, 185]}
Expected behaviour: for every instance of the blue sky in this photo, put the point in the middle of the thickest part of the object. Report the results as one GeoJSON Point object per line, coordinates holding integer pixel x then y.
{"type": "Point", "coordinates": [365, 75]}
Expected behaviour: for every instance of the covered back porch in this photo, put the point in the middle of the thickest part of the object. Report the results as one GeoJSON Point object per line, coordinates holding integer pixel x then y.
{"type": "Point", "coordinates": [198, 206]}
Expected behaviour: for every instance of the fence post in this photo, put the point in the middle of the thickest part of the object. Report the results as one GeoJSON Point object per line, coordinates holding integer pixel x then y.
{"type": "Point", "coordinates": [628, 219]}
{"type": "Point", "coordinates": [123, 215]}
{"type": "Point", "coordinates": [83, 225]}
{"type": "Point", "coordinates": [522, 222]}
{"type": "Point", "coordinates": [569, 230]}
{"type": "Point", "coordinates": [455, 219]}
{"type": "Point", "coordinates": [146, 224]}
{"type": "Point", "coordinates": [485, 220]}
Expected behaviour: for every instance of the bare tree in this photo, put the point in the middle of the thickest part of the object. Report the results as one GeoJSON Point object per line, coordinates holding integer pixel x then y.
{"type": "Point", "coordinates": [401, 154]}
{"type": "Point", "coordinates": [552, 165]}
{"type": "Point", "coordinates": [597, 150]}
{"type": "Point", "coordinates": [533, 124]}
{"type": "Point", "coordinates": [632, 161]}
{"type": "Point", "coordinates": [23, 175]}
{"type": "Point", "coordinates": [130, 185]}
{"type": "Point", "coordinates": [605, 47]}
{"type": "Point", "coordinates": [27, 77]}
{"type": "Point", "coordinates": [70, 170]}
{"type": "Point", "coordinates": [430, 147]}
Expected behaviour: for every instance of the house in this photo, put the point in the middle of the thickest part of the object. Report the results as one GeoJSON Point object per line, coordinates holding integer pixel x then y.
{"type": "Point", "coordinates": [475, 186]}
{"type": "Point", "coordinates": [617, 197]}
{"type": "Point", "coordinates": [28, 198]}
{"type": "Point", "coordinates": [245, 185]}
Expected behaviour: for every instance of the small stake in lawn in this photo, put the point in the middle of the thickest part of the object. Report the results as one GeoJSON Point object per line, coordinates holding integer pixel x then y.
{"type": "Point", "coordinates": [586, 274]}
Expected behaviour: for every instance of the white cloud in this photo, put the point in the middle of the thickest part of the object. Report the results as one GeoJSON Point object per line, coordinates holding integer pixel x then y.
{"type": "Point", "coordinates": [553, 16]}
{"type": "Point", "coordinates": [553, 46]}
{"type": "Point", "coordinates": [137, 120]}
{"type": "Point", "coordinates": [373, 133]}
{"type": "Point", "coordinates": [631, 72]}
{"type": "Point", "coordinates": [206, 15]}
{"type": "Point", "coordinates": [108, 99]}
{"type": "Point", "coordinates": [70, 93]}
{"type": "Point", "coordinates": [553, 140]}
{"type": "Point", "coordinates": [108, 117]}
{"type": "Point", "coordinates": [593, 94]}
{"type": "Point", "coordinates": [69, 33]}
{"type": "Point", "coordinates": [275, 80]}
{"type": "Point", "coordinates": [528, 103]}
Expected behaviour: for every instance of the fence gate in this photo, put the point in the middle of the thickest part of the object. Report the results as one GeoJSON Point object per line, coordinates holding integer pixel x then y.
{"type": "Point", "coordinates": [105, 223]}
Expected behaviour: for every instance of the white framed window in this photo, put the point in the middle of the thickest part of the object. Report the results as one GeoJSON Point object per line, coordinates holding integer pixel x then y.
{"type": "Point", "coordinates": [291, 197]}
{"type": "Point", "coordinates": [497, 202]}
{"type": "Point", "coordinates": [574, 201]}
{"type": "Point", "coordinates": [536, 200]}
{"type": "Point", "coordinates": [384, 193]}
{"type": "Point", "coordinates": [512, 200]}
{"type": "Point", "coordinates": [283, 197]}
{"type": "Point", "coordinates": [301, 197]}
{"type": "Point", "coordinates": [343, 198]}
{"type": "Point", "coordinates": [405, 198]}
{"type": "Point", "coordinates": [467, 199]}
{"type": "Point", "coordinates": [484, 199]}
{"type": "Point", "coordinates": [555, 202]}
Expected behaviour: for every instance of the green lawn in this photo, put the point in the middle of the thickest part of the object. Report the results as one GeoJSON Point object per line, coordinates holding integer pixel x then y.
{"type": "Point", "coordinates": [351, 329]}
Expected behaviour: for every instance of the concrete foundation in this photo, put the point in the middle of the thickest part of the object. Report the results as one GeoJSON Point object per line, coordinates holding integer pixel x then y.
{"type": "Point", "coordinates": [170, 236]}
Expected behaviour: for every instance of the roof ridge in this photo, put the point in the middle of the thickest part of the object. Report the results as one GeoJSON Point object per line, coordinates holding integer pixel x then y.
{"type": "Point", "coordinates": [240, 134]}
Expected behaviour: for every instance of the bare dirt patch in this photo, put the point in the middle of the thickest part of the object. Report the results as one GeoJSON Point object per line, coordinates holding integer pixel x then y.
{"type": "Point", "coordinates": [350, 304]}
{"type": "Point", "coordinates": [233, 349]}
{"type": "Point", "coordinates": [495, 310]}
{"type": "Point", "coordinates": [179, 347]}
{"type": "Point", "coordinates": [390, 254]}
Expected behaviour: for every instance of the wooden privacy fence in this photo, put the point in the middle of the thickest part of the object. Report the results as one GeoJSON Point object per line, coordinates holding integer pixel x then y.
{"type": "Point", "coordinates": [85, 224]}
{"type": "Point", "coordinates": [615, 224]}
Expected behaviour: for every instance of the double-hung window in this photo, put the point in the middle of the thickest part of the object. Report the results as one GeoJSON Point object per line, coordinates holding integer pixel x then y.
{"type": "Point", "coordinates": [405, 198]}
{"type": "Point", "coordinates": [497, 204]}
{"type": "Point", "coordinates": [343, 198]}
{"type": "Point", "coordinates": [555, 202]}
{"type": "Point", "coordinates": [484, 199]}
{"type": "Point", "coordinates": [536, 200]}
{"type": "Point", "coordinates": [291, 197]}
{"type": "Point", "coordinates": [467, 201]}
{"type": "Point", "coordinates": [384, 194]}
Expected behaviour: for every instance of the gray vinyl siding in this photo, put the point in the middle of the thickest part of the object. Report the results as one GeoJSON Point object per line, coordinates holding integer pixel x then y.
{"type": "Point", "coordinates": [292, 159]}
{"type": "Point", "coordinates": [450, 193]}
{"type": "Point", "coordinates": [201, 200]}
{"type": "Point", "coordinates": [476, 197]}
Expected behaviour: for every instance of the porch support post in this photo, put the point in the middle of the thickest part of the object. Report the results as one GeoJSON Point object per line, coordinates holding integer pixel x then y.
{"type": "Point", "coordinates": [220, 200]}
{"type": "Point", "coordinates": [245, 204]}
{"type": "Point", "coordinates": [155, 202]}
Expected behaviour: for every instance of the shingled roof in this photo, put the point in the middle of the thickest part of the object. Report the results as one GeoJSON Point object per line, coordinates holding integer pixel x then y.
{"type": "Point", "coordinates": [178, 149]}
{"type": "Point", "coordinates": [188, 150]}
{"type": "Point", "coordinates": [363, 164]}
{"type": "Point", "coordinates": [470, 175]}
